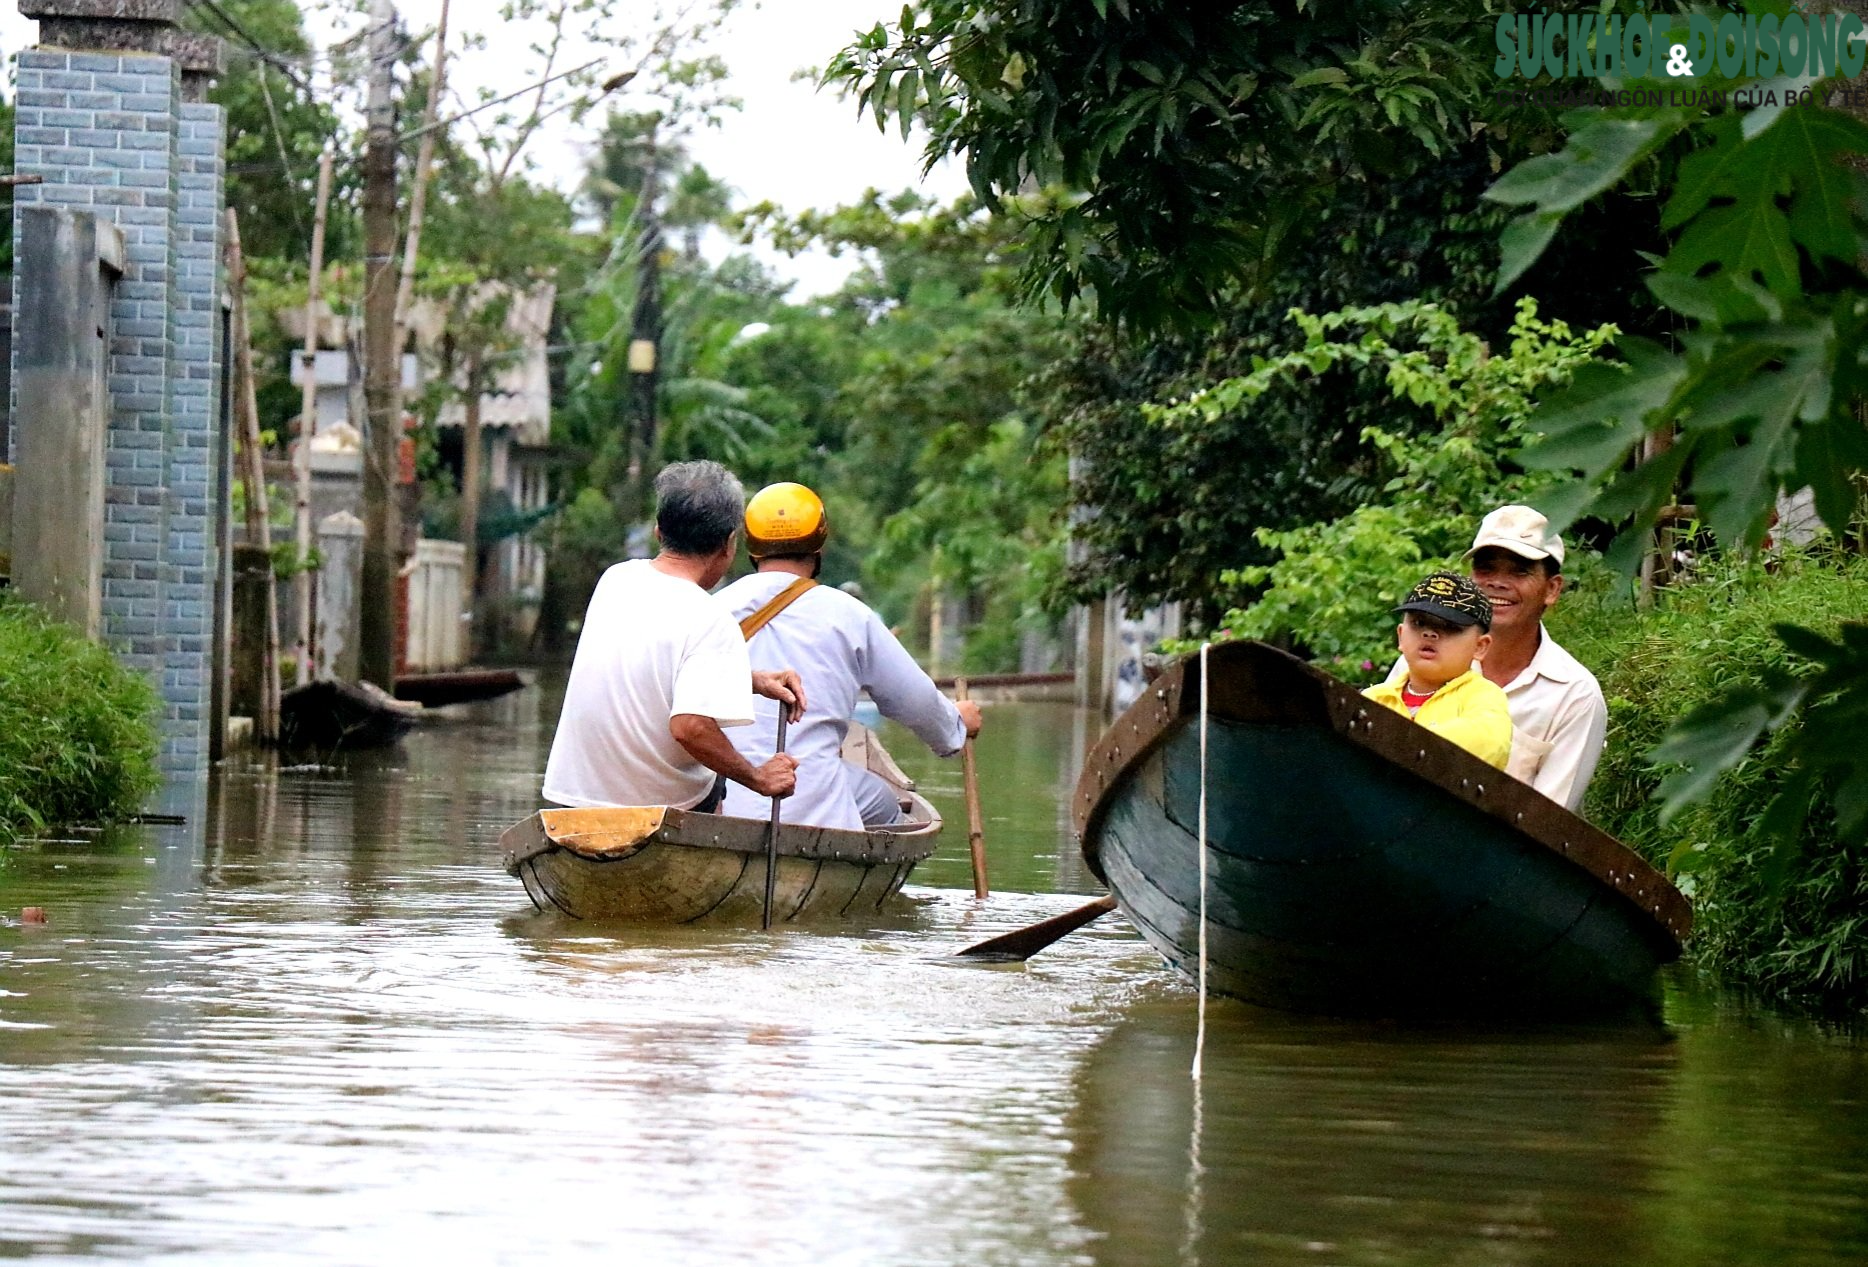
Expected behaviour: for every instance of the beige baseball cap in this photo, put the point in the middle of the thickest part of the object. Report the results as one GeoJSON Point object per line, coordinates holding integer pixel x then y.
{"type": "Point", "coordinates": [1520, 529]}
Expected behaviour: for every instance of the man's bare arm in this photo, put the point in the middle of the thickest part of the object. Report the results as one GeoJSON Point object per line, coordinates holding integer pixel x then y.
{"type": "Point", "coordinates": [707, 743]}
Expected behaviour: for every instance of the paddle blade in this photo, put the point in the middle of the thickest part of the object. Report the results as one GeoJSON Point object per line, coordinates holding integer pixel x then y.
{"type": "Point", "coordinates": [1021, 944]}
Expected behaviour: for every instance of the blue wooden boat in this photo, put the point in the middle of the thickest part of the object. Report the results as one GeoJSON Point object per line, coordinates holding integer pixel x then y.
{"type": "Point", "coordinates": [1359, 865]}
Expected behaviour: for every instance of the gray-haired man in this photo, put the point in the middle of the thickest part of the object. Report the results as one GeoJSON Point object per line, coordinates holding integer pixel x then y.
{"type": "Point", "coordinates": [661, 667]}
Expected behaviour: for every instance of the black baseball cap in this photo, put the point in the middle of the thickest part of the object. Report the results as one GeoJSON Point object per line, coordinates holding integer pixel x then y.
{"type": "Point", "coordinates": [1452, 597]}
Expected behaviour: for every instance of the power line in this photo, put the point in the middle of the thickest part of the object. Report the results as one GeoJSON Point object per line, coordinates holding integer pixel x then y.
{"type": "Point", "coordinates": [245, 37]}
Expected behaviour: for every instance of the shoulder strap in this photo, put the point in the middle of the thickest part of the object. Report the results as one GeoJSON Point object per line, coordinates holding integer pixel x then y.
{"type": "Point", "coordinates": [780, 601]}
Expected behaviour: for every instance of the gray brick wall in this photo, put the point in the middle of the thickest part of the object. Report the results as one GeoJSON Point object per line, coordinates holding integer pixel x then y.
{"type": "Point", "coordinates": [194, 388]}
{"type": "Point", "coordinates": [110, 134]}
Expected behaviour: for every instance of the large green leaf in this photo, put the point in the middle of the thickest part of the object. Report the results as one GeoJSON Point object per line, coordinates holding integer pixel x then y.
{"type": "Point", "coordinates": [1596, 158]}
{"type": "Point", "coordinates": [1714, 170]}
{"type": "Point", "coordinates": [1520, 245]}
{"type": "Point", "coordinates": [1809, 146]}
{"type": "Point", "coordinates": [1749, 238]}
{"type": "Point", "coordinates": [1709, 741]}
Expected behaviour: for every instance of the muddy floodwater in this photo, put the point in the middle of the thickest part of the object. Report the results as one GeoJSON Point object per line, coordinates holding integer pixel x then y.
{"type": "Point", "coordinates": [317, 1024]}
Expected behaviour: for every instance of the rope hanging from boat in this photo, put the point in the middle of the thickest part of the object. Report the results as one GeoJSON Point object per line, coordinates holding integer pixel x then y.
{"type": "Point", "coordinates": [1199, 1038]}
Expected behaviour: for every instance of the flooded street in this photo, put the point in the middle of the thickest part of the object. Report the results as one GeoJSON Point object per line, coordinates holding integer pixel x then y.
{"type": "Point", "coordinates": [320, 1025]}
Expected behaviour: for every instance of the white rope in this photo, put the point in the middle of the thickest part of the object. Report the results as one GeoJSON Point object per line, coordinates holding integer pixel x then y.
{"type": "Point", "coordinates": [1199, 1039]}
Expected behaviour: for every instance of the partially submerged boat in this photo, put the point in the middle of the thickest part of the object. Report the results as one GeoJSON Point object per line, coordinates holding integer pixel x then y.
{"type": "Point", "coordinates": [1357, 863]}
{"type": "Point", "coordinates": [654, 864]}
{"type": "Point", "coordinates": [459, 686]}
{"type": "Point", "coordinates": [332, 717]}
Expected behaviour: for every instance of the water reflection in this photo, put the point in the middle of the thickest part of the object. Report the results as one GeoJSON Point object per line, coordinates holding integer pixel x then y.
{"type": "Point", "coordinates": [1347, 1143]}
{"type": "Point", "coordinates": [318, 1024]}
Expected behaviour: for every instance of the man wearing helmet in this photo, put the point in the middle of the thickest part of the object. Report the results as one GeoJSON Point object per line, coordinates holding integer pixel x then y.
{"type": "Point", "coordinates": [660, 668]}
{"type": "Point", "coordinates": [841, 648]}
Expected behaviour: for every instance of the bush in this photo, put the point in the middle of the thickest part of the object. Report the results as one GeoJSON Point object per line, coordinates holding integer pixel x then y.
{"type": "Point", "coordinates": [1804, 933]}
{"type": "Point", "coordinates": [1331, 592]}
{"type": "Point", "coordinates": [77, 730]}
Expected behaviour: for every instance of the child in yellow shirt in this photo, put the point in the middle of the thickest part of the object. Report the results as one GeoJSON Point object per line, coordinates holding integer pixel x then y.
{"type": "Point", "coordinates": [1445, 625]}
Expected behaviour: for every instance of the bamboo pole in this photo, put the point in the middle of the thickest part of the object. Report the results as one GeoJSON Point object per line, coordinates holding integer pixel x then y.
{"type": "Point", "coordinates": [307, 427]}
{"type": "Point", "coordinates": [253, 477]}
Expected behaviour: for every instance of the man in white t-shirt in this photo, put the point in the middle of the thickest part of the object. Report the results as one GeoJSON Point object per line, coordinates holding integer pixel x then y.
{"type": "Point", "coordinates": [843, 647]}
{"type": "Point", "coordinates": [1559, 719]}
{"type": "Point", "coordinates": [661, 667]}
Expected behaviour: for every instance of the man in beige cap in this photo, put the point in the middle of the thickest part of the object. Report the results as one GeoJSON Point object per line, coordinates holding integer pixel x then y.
{"type": "Point", "coordinates": [1558, 716]}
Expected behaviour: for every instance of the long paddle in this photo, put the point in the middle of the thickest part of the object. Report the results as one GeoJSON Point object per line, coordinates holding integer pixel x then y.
{"type": "Point", "coordinates": [1021, 944]}
{"type": "Point", "coordinates": [975, 830]}
{"type": "Point", "coordinates": [771, 831]}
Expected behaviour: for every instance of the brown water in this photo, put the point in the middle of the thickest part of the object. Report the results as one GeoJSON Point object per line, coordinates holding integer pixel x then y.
{"type": "Point", "coordinates": [319, 1025]}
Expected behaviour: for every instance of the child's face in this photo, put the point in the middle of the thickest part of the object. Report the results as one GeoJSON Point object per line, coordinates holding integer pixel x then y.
{"type": "Point", "coordinates": [1436, 650]}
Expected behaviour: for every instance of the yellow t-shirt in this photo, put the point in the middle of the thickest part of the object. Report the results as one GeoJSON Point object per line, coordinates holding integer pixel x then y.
{"type": "Point", "coordinates": [1470, 711]}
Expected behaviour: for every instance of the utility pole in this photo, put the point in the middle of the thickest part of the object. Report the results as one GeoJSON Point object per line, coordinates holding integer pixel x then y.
{"type": "Point", "coordinates": [382, 526]}
{"type": "Point", "coordinates": [645, 335]}
{"type": "Point", "coordinates": [307, 428]}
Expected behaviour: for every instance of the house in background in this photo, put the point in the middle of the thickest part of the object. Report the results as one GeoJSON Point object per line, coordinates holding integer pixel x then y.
{"type": "Point", "coordinates": [515, 432]}
{"type": "Point", "coordinates": [515, 440]}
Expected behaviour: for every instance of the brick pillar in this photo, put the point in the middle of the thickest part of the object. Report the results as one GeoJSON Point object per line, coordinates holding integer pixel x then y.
{"type": "Point", "coordinates": [194, 512]}
{"type": "Point", "coordinates": [101, 116]}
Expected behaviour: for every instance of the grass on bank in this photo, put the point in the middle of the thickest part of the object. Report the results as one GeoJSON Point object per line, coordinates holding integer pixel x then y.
{"type": "Point", "coordinates": [1700, 640]}
{"type": "Point", "coordinates": [77, 729]}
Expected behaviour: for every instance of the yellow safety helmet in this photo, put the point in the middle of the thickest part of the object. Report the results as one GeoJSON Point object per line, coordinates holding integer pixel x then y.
{"type": "Point", "coordinates": [785, 519]}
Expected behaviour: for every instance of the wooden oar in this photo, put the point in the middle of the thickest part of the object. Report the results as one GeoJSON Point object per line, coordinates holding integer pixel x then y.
{"type": "Point", "coordinates": [1021, 944]}
{"type": "Point", "coordinates": [975, 830]}
{"type": "Point", "coordinates": [771, 831]}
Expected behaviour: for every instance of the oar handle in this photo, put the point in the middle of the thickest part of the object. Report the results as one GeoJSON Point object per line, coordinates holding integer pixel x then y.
{"type": "Point", "coordinates": [975, 826]}
{"type": "Point", "coordinates": [771, 831]}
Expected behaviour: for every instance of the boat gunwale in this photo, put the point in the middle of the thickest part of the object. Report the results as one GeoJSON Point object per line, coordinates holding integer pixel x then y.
{"type": "Point", "coordinates": [1310, 697]}
{"type": "Point", "coordinates": [548, 829]}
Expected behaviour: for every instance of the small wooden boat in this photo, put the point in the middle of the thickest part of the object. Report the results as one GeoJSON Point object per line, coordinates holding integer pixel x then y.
{"type": "Point", "coordinates": [462, 686]}
{"type": "Point", "coordinates": [1357, 863]}
{"type": "Point", "coordinates": [333, 716]}
{"type": "Point", "coordinates": [654, 864]}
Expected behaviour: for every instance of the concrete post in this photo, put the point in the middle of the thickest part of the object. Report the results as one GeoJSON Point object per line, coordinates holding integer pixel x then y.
{"type": "Point", "coordinates": [340, 580]}
{"type": "Point", "coordinates": [252, 573]}
{"type": "Point", "coordinates": [69, 264]}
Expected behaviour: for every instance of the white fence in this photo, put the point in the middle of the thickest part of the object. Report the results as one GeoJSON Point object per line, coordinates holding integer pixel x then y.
{"type": "Point", "coordinates": [437, 633]}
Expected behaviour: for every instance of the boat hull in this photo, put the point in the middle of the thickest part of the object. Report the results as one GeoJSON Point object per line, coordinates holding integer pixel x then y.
{"type": "Point", "coordinates": [665, 866]}
{"type": "Point", "coordinates": [1358, 865]}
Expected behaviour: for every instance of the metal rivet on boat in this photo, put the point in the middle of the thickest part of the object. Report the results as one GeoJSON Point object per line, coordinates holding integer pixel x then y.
{"type": "Point", "coordinates": [1566, 846]}
{"type": "Point", "coordinates": [1465, 782]}
{"type": "Point", "coordinates": [1519, 817]}
{"type": "Point", "coordinates": [1421, 755]}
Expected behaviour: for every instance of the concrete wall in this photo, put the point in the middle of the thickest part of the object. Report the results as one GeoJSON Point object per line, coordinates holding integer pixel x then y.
{"type": "Point", "coordinates": [62, 359]}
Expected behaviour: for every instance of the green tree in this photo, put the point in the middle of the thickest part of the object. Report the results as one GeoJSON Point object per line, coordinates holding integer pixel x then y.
{"type": "Point", "coordinates": [1160, 152]}
{"type": "Point", "coordinates": [1760, 394]}
{"type": "Point", "coordinates": [6, 166]}
{"type": "Point", "coordinates": [1335, 582]}
{"type": "Point", "coordinates": [275, 129]}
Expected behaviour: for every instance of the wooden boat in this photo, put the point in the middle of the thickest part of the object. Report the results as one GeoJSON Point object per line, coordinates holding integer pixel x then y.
{"type": "Point", "coordinates": [654, 864]}
{"type": "Point", "coordinates": [1358, 864]}
{"type": "Point", "coordinates": [463, 686]}
{"type": "Point", "coordinates": [335, 716]}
